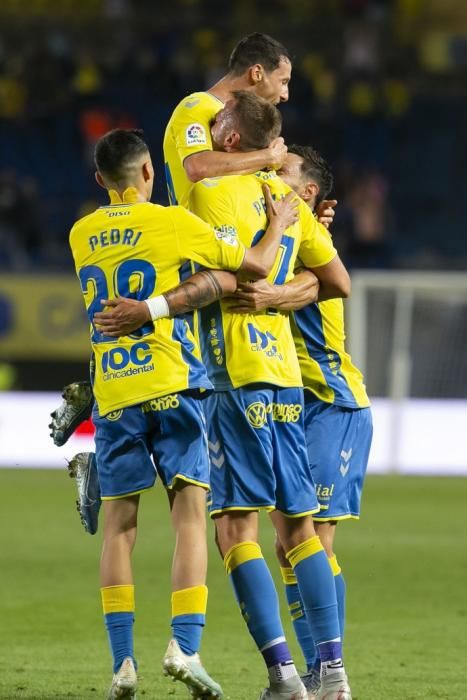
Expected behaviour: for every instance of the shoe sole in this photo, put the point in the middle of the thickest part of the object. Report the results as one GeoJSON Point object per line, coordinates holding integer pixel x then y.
{"type": "Point", "coordinates": [89, 510]}
{"type": "Point", "coordinates": [182, 673]}
{"type": "Point", "coordinates": [123, 694]}
{"type": "Point", "coordinates": [60, 436]}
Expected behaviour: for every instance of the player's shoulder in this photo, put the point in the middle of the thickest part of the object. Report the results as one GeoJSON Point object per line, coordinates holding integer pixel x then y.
{"type": "Point", "coordinates": [197, 102]}
{"type": "Point", "coordinates": [219, 182]}
{"type": "Point", "coordinates": [222, 188]}
{"type": "Point", "coordinates": [85, 222]}
{"type": "Point", "coordinates": [228, 183]}
{"type": "Point", "coordinates": [179, 215]}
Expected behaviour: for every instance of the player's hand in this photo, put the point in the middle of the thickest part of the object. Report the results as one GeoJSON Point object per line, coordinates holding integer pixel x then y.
{"type": "Point", "coordinates": [121, 316]}
{"type": "Point", "coordinates": [277, 153]}
{"type": "Point", "coordinates": [254, 296]}
{"type": "Point", "coordinates": [281, 212]}
{"type": "Point", "coordinates": [325, 211]}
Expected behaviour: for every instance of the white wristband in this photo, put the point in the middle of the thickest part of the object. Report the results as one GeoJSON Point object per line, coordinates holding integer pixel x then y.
{"type": "Point", "coordinates": [158, 307]}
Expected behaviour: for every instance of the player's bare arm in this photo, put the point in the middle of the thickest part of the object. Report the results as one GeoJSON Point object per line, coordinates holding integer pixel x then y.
{"type": "Point", "coordinates": [330, 281]}
{"type": "Point", "coordinates": [123, 316]}
{"type": "Point", "coordinates": [260, 295]}
{"type": "Point", "coordinates": [216, 163]}
{"type": "Point", "coordinates": [334, 280]}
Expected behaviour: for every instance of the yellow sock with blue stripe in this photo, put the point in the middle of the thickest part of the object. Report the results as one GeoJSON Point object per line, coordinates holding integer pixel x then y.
{"type": "Point", "coordinates": [339, 583]}
{"type": "Point", "coordinates": [299, 620]}
{"type": "Point", "coordinates": [189, 617]}
{"type": "Point", "coordinates": [259, 604]}
{"type": "Point", "coordinates": [318, 593]}
{"type": "Point", "coordinates": [118, 604]}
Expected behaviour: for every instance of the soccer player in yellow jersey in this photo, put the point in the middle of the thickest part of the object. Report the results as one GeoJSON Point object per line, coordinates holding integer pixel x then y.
{"type": "Point", "coordinates": [148, 388]}
{"type": "Point", "coordinates": [259, 64]}
{"type": "Point", "coordinates": [338, 422]}
{"type": "Point", "coordinates": [255, 417]}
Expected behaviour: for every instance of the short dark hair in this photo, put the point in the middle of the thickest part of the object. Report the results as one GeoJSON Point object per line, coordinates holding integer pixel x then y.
{"type": "Point", "coordinates": [257, 48]}
{"type": "Point", "coordinates": [117, 150]}
{"type": "Point", "coordinates": [258, 121]}
{"type": "Point", "coordinates": [315, 168]}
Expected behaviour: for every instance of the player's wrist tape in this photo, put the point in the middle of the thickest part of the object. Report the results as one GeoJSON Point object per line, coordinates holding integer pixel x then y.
{"type": "Point", "coordinates": [158, 307]}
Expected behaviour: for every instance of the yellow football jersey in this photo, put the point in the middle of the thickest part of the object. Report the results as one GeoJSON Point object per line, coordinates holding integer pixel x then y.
{"type": "Point", "coordinates": [326, 367]}
{"type": "Point", "coordinates": [136, 250]}
{"type": "Point", "coordinates": [187, 132]}
{"type": "Point", "coordinates": [240, 349]}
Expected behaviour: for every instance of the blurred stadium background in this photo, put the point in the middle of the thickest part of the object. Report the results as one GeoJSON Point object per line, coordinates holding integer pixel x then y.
{"type": "Point", "coordinates": [380, 88]}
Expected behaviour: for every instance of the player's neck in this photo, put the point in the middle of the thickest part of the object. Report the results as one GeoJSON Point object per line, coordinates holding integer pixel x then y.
{"type": "Point", "coordinates": [126, 195]}
{"type": "Point", "coordinates": [225, 87]}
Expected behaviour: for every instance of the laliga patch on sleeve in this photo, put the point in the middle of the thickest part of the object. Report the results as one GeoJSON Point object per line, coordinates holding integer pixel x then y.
{"type": "Point", "coordinates": [227, 234]}
{"type": "Point", "coordinates": [195, 135]}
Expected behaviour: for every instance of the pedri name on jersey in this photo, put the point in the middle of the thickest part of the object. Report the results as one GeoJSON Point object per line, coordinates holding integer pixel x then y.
{"type": "Point", "coordinates": [114, 236]}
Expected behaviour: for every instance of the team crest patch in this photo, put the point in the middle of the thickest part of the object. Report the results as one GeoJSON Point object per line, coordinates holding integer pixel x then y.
{"type": "Point", "coordinates": [227, 234]}
{"type": "Point", "coordinates": [195, 135]}
{"type": "Point", "coordinates": [114, 415]}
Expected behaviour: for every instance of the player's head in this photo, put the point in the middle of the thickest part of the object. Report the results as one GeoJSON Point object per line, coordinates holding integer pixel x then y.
{"type": "Point", "coordinates": [246, 123]}
{"type": "Point", "coordinates": [265, 64]}
{"type": "Point", "coordinates": [306, 172]}
{"type": "Point", "coordinates": [123, 160]}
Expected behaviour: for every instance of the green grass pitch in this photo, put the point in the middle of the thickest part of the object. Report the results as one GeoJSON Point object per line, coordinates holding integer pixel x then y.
{"type": "Point", "coordinates": [405, 565]}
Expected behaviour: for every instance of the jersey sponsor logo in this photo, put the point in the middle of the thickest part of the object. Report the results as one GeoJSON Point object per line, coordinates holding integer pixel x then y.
{"type": "Point", "coordinates": [114, 415]}
{"type": "Point", "coordinates": [266, 175]}
{"type": "Point", "coordinates": [227, 234]}
{"type": "Point", "coordinates": [263, 341]}
{"type": "Point", "coordinates": [195, 135]}
{"type": "Point", "coordinates": [161, 404]}
{"type": "Point", "coordinates": [257, 413]}
{"type": "Point", "coordinates": [116, 360]}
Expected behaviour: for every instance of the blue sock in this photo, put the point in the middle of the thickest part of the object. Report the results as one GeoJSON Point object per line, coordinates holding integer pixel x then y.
{"type": "Point", "coordinates": [118, 605]}
{"type": "Point", "coordinates": [339, 582]}
{"type": "Point", "coordinates": [258, 601]}
{"type": "Point", "coordinates": [120, 632]}
{"type": "Point", "coordinates": [299, 620]}
{"type": "Point", "coordinates": [188, 617]}
{"type": "Point", "coordinates": [187, 630]}
{"type": "Point", "coordinates": [317, 590]}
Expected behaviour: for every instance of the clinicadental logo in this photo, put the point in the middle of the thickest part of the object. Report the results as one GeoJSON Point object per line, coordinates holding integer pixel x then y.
{"type": "Point", "coordinates": [257, 413]}
{"type": "Point", "coordinates": [121, 362]}
{"type": "Point", "coordinates": [324, 493]}
{"type": "Point", "coordinates": [263, 342]}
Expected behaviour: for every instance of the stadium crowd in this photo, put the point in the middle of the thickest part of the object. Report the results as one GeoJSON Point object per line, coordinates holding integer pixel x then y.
{"type": "Point", "coordinates": [377, 87]}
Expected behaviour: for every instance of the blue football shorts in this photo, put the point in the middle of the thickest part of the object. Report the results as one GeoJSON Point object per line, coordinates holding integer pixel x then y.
{"type": "Point", "coordinates": [257, 451]}
{"type": "Point", "coordinates": [164, 436]}
{"type": "Point", "coordinates": [338, 441]}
